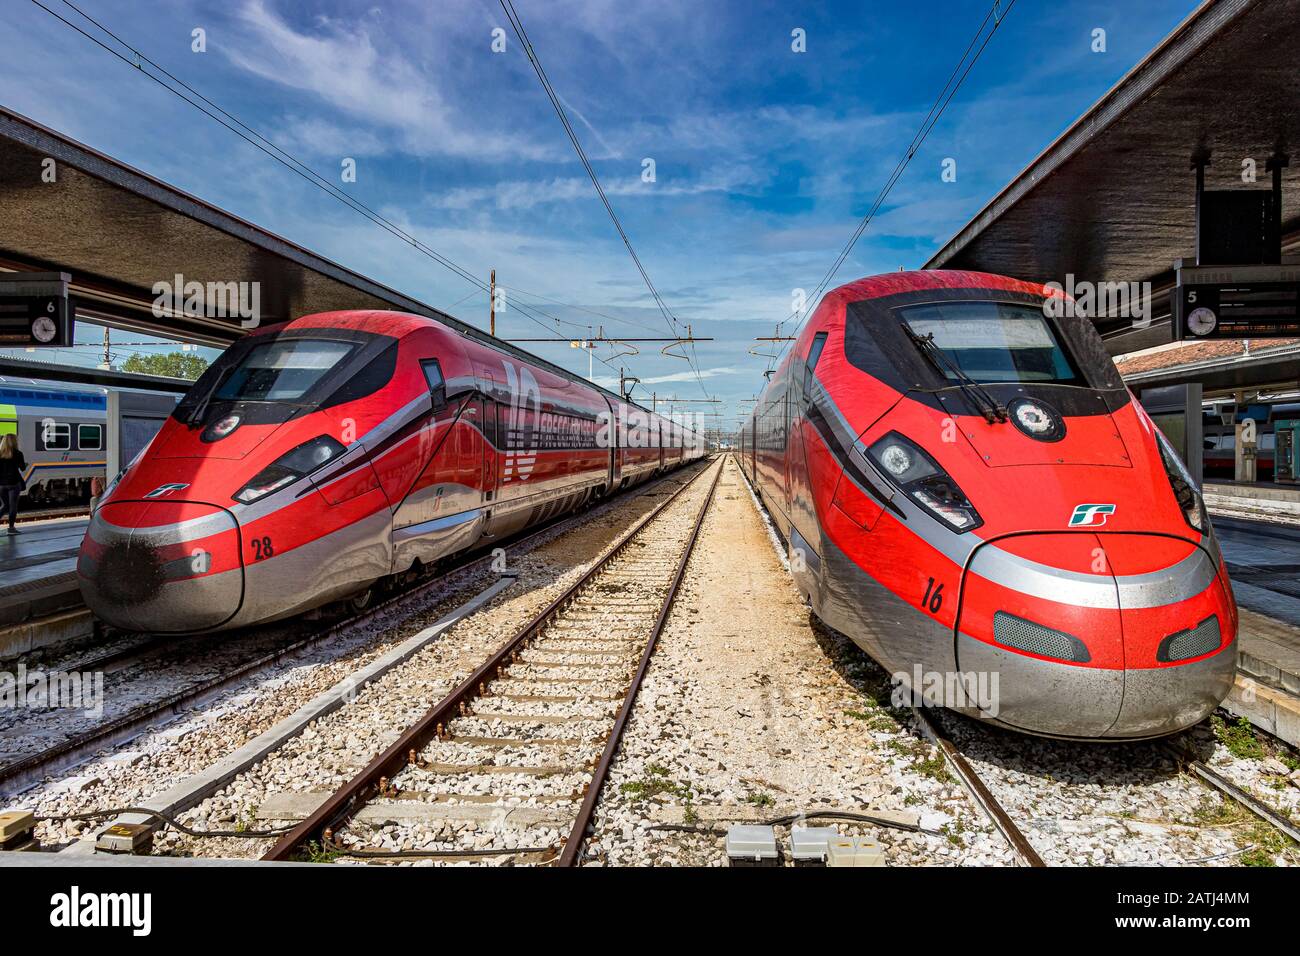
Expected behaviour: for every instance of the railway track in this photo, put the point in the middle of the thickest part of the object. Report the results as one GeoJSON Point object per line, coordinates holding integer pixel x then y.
{"type": "Point", "coordinates": [22, 773]}
{"type": "Point", "coordinates": [47, 514]}
{"type": "Point", "coordinates": [523, 745]}
{"type": "Point", "coordinates": [1024, 850]}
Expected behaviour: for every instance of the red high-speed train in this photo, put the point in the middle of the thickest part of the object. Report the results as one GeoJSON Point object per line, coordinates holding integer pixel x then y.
{"type": "Point", "coordinates": [967, 488]}
{"type": "Point", "coordinates": [321, 457]}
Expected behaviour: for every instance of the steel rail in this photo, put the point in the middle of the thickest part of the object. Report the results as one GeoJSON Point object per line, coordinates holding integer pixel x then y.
{"type": "Point", "coordinates": [76, 749]}
{"type": "Point", "coordinates": [578, 833]}
{"type": "Point", "coordinates": [980, 793]}
{"type": "Point", "coordinates": [346, 800]}
{"type": "Point", "coordinates": [1227, 787]}
{"type": "Point", "coordinates": [52, 514]}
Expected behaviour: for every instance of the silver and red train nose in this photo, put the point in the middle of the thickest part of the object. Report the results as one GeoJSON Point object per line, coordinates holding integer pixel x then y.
{"type": "Point", "coordinates": [1144, 648]}
{"type": "Point", "coordinates": [162, 566]}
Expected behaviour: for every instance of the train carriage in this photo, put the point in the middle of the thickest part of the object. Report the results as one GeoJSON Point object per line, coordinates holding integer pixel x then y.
{"type": "Point", "coordinates": [61, 431]}
{"type": "Point", "coordinates": [321, 458]}
{"type": "Point", "coordinates": [969, 489]}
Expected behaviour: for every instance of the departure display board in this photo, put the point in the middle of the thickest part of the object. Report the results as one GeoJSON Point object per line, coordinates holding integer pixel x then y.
{"type": "Point", "coordinates": [1237, 302]}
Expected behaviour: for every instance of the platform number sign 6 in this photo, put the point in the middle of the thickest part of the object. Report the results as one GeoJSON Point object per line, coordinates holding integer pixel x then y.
{"type": "Point", "coordinates": [933, 598]}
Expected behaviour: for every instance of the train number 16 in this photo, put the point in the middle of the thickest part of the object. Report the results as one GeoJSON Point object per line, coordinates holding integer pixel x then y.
{"type": "Point", "coordinates": [933, 599]}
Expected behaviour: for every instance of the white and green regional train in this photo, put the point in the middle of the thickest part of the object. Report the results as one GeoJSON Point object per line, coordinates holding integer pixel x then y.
{"type": "Point", "coordinates": [62, 430]}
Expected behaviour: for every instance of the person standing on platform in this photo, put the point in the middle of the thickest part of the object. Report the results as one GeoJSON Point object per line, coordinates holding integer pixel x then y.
{"type": "Point", "coordinates": [12, 466]}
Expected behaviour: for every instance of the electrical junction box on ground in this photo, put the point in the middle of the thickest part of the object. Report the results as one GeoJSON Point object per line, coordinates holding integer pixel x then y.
{"type": "Point", "coordinates": [125, 838]}
{"type": "Point", "coordinates": [749, 845]}
{"type": "Point", "coordinates": [808, 845]}
{"type": "Point", "coordinates": [16, 828]}
{"type": "Point", "coordinates": [854, 851]}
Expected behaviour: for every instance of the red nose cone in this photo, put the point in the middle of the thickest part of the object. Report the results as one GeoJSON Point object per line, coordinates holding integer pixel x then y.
{"type": "Point", "coordinates": [162, 566]}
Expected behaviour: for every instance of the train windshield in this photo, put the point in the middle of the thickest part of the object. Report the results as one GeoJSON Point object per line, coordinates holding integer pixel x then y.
{"type": "Point", "coordinates": [993, 341]}
{"type": "Point", "coordinates": [283, 370]}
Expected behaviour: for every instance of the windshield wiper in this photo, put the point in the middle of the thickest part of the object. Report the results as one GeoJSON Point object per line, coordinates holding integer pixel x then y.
{"type": "Point", "coordinates": [200, 410]}
{"type": "Point", "coordinates": [975, 393]}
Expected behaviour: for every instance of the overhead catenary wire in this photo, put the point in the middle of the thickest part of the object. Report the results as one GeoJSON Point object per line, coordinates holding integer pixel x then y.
{"type": "Point", "coordinates": [998, 14]}
{"type": "Point", "coordinates": [182, 90]}
{"type": "Point", "coordinates": [580, 308]}
{"type": "Point", "coordinates": [247, 133]}
{"type": "Point", "coordinates": [517, 25]}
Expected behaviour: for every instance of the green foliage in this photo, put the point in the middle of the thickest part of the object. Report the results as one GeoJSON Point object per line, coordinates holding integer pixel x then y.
{"type": "Point", "coordinates": [185, 365]}
{"type": "Point", "coordinates": [654, 784]}
{"type": "Point", "coordinates": [314, 853]}
{"type": "Point", "coordinates": [1239, 738]}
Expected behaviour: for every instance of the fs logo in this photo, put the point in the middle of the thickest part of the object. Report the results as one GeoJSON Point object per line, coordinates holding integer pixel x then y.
{"type": "Point", "coordinates": [1090, 516]}
{"type": "Point", "coordinates": [163, 490]}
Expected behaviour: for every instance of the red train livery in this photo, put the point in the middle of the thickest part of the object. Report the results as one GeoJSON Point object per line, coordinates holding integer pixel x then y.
{"type": "Point", "coordinates": [968, 488]}
{"type": "Point", "coordinates": [325, 455]}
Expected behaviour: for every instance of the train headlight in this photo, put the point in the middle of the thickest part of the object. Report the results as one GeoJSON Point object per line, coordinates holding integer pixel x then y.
{"type": "Point", "coordinates": [919, 477]}
{"type": "Point", "coordinates": [945, 499]}
{"type": "Point", "coordinates": [220, 428]}
{"type": "Point", "coordinates": [117, 479]}
{"type": "Point", "coordinates": [1037, 419]}
{"type": "Point", "coordinates": [896, 460]}
{"type": "Point", "coordinates": [289, 467]}
{"type": "Point", "coordinates": [1184, 487]}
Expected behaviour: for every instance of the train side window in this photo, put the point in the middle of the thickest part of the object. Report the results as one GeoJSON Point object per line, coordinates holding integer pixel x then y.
{"type": "Point", "coordinates": [814, 354]}
{"type": "Point", "coordinates": [54, 436]}
{"type": "Point", "coordinates": [487, 421]}
{"type": "Point", "coordinates": [90, 437]}
{"type": "Point", "coordinates": [504, 437]}
{"type": "Point", "coordinates": [437, 384]}
{"type": "Point", "coordinates": [377, 373]}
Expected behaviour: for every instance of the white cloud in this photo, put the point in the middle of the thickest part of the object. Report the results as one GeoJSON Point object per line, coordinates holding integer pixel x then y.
{"type": "Point", "coordinates": [523, 194]}
{"type": "Point", "coordinates": [685, 376]}
{"type": "Point", "coordinates": [344, 66]}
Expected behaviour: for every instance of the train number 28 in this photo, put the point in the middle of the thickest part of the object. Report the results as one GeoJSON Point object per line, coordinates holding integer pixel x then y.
{"type": "Point", "coordinates": [933, 599]}
{"type": "Point", "coordinates": [263, 549]}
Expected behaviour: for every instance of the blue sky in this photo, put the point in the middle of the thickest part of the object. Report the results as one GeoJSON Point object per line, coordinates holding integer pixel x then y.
{"type": "Point", "coordinates": [764, 158]}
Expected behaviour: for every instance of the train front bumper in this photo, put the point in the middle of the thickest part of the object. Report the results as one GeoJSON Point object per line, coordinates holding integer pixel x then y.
{"type": "Point", "coordinates": [1065, 700]}
{"type": "Point", "coordinates": [1099, 656]}
{"type": "Point", "coordinates": [162, 566]}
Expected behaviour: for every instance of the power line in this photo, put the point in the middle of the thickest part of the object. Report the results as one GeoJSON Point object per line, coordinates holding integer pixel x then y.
{"type": "Point", "coordinates": [138, 61]}
{"type": "Point", "coordinates": [517, 24]}
{"type": "Point", "coordinates": [997, 15]}
{"type": "Point", "coordinates": [248, 134]}
{"type": "Point", "coordinates": [579, 308]}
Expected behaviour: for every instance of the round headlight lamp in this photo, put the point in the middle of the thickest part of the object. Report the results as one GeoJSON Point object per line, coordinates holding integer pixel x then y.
{"type": "Point", "coordinates": [221, 428]}
{"type": "Point", "coordinates": [1037, 419]}
{"type": "Point", "coordinates": [896, 460]}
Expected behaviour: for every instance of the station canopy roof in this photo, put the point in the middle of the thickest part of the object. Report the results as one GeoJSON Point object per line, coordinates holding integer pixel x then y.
{"type": "Point", "coordinates": [117, 231]}
{"type": "Point", "coordinates": [1113, 198]}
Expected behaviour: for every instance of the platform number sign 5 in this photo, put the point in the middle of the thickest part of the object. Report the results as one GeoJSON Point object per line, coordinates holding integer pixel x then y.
{"type": "Point", "coordinates": [933, 598]}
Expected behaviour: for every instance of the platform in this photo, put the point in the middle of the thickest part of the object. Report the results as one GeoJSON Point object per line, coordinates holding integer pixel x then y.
{"type": "Point", "coordinates": [1263, 561]}
{"type": "Point", "coordinates": [38, 581]}
{"type": "Point", "coordinates": [1264, 499]}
